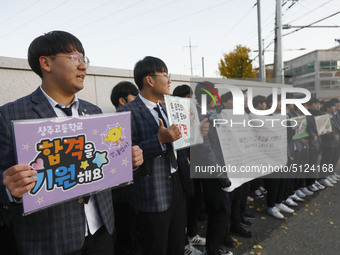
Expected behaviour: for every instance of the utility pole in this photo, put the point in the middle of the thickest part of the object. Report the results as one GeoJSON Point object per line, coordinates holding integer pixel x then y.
{"type": "Point", "coordinates": [262, 68]}
{"type": "Point", "coordinates": [202, 66]}
{"type": "Point", "coordinates": [278, 64]}
{"type": "Point", "coordinates": [190, 46]}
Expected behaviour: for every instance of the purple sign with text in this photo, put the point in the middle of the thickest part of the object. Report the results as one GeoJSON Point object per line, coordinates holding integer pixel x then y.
{"type": "Point", "coordinates": [74, 156]}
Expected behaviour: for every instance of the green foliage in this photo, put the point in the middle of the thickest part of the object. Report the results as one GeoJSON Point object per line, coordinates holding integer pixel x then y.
{"type": "Point", "coordinates": [237, 64]}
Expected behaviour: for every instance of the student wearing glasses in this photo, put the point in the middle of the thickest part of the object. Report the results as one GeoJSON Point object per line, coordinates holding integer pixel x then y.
{"type": "Point", "coordinates": [72, 227]}
{"type": "Point", "coordinates": [159, 183]}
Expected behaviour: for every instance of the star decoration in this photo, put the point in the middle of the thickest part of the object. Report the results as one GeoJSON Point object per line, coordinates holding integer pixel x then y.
{"type": "Point", "coordinates": [84, 164]}
{"type": "Point", "coordinates": [40, 200]}
{"type": "Point", "coordinates": [25, 147]}
{"type": "Point", "coordinates": [100, 158]}
{"type": "Point", "coordinates": [125, 162]}
{"type": "Point", "coordinates": [95, 132]}
{"type": "Point", "coordinates": [113, 171]}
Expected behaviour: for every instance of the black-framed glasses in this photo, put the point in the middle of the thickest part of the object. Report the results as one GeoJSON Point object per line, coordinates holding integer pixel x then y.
{"type": "Point", "coordinates": [76, 59]}
{"type": "Point", "coordinates": [165, 75]}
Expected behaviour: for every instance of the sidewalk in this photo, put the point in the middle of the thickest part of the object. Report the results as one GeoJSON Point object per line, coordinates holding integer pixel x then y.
{"type": "Point", "coordinates": [314, 228]}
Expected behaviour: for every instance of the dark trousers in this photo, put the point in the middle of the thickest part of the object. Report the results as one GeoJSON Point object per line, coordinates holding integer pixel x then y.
{"type": "Point", "coordinates": [245, 192]}
{"type": "Point", "coordinates": [329, 158]}
{"type": "Point", "coordinates": [235, 198]}
{"type": "Point", "coordinates": [194, 207]}
{"type": "Point", "coordinates": [275, 191]}
{"type": "Point", "coordinates": [218, 210]}
{"type": "Point", "coordinates": [313, 162]}
{"type": "Point", "coordinates": [126, 236]}
{"type": "Point", "coordinates": [163, 233]}
{"type": "Point", "coordinates": [98, 244]}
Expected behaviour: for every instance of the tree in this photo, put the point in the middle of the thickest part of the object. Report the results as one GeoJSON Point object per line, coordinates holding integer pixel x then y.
{"type": "Point", "coordinates": [237, 64]}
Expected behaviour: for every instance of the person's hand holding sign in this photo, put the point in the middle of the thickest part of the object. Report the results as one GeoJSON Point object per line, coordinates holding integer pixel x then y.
{"type": "Point", "coordinates": [137, 156]}
{"type": "Point", "coordinates": [168, 135]}
{"type": "Point", "coordinates": [19, 179]}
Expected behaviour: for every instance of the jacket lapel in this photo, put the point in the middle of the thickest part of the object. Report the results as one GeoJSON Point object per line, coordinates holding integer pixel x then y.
{"type": "Point", "coordinates": [41, 105]}
{"type": "Point", "coordinates": [145, 112]}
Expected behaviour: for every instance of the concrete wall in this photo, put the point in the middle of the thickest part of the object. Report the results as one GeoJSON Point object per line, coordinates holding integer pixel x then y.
{"type": "Point", "coordinates": [17, 80]}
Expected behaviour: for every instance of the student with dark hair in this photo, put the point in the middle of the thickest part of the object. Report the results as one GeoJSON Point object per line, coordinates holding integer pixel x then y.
{"type": "Point", "coordinates": [123, 93]}
{"type": "Point", "coordinates": [160, 182]}
{"type": "Point", "coordinates": [182, 91]}
{"type": "Point", "coordinates": [194, 203]}
{"type": "Point", "coordinates": [216, 199]}
{"type": "Point", "coordinates": [330, 145]}
{"type": "Point", "coordinates": [71, 227]}
{"type": "Point", "coordinates": [126, 238]}
{"type": "Point", "coordinates": [259, 102]}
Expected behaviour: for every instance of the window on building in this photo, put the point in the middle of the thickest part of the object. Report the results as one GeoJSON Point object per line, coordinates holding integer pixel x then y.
{"type": "Point", "coordinates": [330, 65]}
{"type": "Point", "coordinates": [330, 84]}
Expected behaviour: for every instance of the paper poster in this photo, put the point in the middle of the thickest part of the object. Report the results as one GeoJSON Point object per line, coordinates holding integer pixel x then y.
{"type": "Point", "coordinates": [183, 113]}
{"type": "Point", "coordinates": [252, 147]}
{"type": "Point", "coordinates": [300, 127]}
{"type": "Point", "coordinates": [74, 156]}
{"type": "Point", "coordinates": [323, 124]}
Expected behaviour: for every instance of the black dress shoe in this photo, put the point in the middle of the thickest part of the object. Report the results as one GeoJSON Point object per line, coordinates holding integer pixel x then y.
{"type": "Point", "coordinates": [229, 242]}
{"type": "Point", "coordinates": [249, 215]}
{"type": "Point", "coordinates": [245, 222]}
{"type": "Point", "coordinates": [241, 231]}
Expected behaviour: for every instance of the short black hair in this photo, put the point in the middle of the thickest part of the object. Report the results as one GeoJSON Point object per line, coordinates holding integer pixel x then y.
{"type": "Point", "coordinates": [182, 91]}
{"type": "Point", "coordinates": [227, 96]}
{"type": "Point", "coordinates": [269, 100]}
{"type": "Point", "coordinates": [328, 104]}
{"type": "Point", "coordinates": [313, 101]}
{"type": "Point", "coordinates": [335, 100]}
{"type": "Point", "coordinates": [50, 44]}
{"type": "Point", "coordinates": [122, 89]}
{"type": "Point", "coordinates": [148, 65]}
{"type": "Point", "coordinates": [199, 90]}
{"type": "Point", "coordinates": [259, 100]}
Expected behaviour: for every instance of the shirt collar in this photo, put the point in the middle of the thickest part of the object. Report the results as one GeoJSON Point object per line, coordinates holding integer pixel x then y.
{"type": "Point", "coordinates": [53, 103]}
{"type": "Point", "coordinates": [149, 104]}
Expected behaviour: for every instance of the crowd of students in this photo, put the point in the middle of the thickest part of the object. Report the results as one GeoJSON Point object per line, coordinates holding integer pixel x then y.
{"type": "Point", "coordinates": [158, 214]}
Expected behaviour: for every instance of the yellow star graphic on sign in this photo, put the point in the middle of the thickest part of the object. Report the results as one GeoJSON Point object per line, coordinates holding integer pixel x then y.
{"type": "Point", "coordinates": [84, 164]}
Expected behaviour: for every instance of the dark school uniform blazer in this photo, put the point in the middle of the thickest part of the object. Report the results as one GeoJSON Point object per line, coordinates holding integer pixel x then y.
{"type": "Point", "coordinates": [59, 229]}
{"type": "Point", "coordinates": [152, 187]}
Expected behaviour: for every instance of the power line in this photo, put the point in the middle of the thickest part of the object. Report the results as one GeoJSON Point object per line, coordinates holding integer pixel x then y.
{"type": "Point", "coordinates": [296, 30]}
{"type": "Point", "coordinates": [168, 22]}
{"type": "Point", "coordinates": [313, 10]}
{"type": "Point", "coordinates": [132, 18]}
{"type": "Point", "coordinates": [83, 14]}
{"type": "Point", "coordinates": [232, 28]}
{"type": "Point", "coordinates": [19, 12]}
{"type": "Point", "coordinates": [37, 17]}
{"type": "Point", "coordinates": [111, 14]}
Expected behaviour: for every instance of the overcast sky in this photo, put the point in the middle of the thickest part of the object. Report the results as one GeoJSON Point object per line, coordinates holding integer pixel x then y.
{"type": "Point", "coordinates": [117, 33]}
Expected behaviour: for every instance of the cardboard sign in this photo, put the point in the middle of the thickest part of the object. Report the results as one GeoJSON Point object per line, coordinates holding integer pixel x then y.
{"type": "Point", "coordinates": [74, 156]}
{"type": "Point", "coordinates": [323, 124]}
{"type": "Point", "coordinates": [183, 113]}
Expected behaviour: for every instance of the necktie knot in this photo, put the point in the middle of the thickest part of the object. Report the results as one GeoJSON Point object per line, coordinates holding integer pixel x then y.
{"type": "Point", "coordinates": [66, 110]}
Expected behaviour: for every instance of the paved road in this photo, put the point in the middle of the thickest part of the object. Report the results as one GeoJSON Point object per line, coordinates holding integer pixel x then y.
{"type": "Point", "coordinates": [313, 229]}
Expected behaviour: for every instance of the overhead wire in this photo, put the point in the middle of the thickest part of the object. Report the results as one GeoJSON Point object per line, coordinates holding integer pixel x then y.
{"type": "Point", "coordinates": [229, 31]}
{"type": "Point", "coordinates": [35, 18]}
{"type": "Point", "coordinates": [302, 27]}
{"type": "Point", "coordinates": [168, 22]}
{"type": "Point", "coordinates": [133, 17]}
{"type": "Point", "coordinates": [19, 12]}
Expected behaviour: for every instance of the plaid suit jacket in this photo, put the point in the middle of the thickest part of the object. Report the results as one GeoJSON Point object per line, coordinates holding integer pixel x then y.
{"type": "Point", "coordinates": [152, 188]}
{"type": "Point", "coordinates": [59, 229]}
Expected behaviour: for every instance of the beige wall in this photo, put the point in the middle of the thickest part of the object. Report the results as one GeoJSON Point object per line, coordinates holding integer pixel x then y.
{"type": "Point", "coordinates": [17, 80]}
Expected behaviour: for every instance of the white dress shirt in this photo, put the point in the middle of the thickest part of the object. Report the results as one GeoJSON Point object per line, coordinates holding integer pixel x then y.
{"type": "Point", "coordinates": [93, 220]}
{"type": "Point", "coordinates": [151, 105]}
